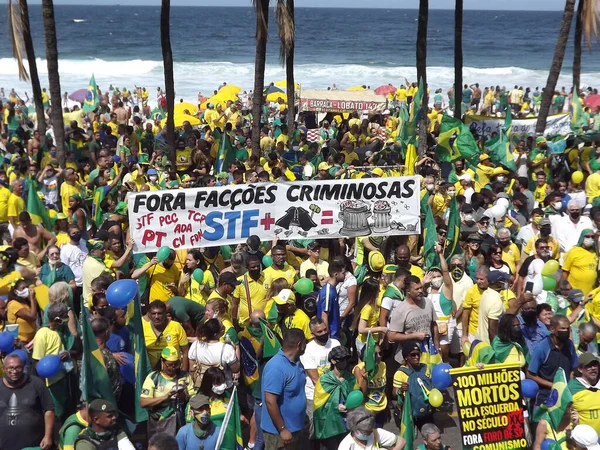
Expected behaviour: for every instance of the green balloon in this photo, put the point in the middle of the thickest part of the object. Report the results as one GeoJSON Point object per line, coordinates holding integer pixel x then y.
{"type": "Point", "coordinates": [198, 275]}
{"type": "Point", "coordinates": [267, 261]}
{"type": "Point", "coordinates": [163, 253]}
{"type": "Point", "coordinates": [549, 282]}
{"type": "Point", "coordinates": [304, 286]}
{"type": "Point", "coordinates": [354, 399]}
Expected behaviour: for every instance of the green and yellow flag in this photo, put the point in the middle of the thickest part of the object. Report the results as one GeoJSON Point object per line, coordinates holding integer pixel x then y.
{"type": "Point", "coordinates": [36, 208]}
{"type": "Point", "coordinates": [225, 155]}
{"type": "Point", "coordinates": [577, 119]}
{"type": "Point", "coordinates": [456, 141]}
{"type": "Point", "coordinates": [330, 392]}
{"type": "Point", "coordinates": [271, 344]}
{"type": "Point", "coordinates": [94, 381]}
{"type": "Point", "coordinates": [141, 362]}
{"type": "Point", "coordinates": [249, 339]}
{"type": "Point", "coordinates": [370, 356]}
{"type": "Point", "coordinates": [499, 147]}
{"type": "Point", "coordinates": [453, 235]}
{"type": "Point", "coordinates": [230, 435]}
{"type": "Point", "coordinates": [553, 409]}
{"type": "Point", "coordinates": [407, 424]}
{"type": "Point", "coordinates": [429, 240]}
{"type": "Point", "coordinates": [92, 101]}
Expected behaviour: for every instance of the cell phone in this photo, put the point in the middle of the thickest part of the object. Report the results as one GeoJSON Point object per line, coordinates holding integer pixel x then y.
{"type": "Point", "coordinates": [529, 287]}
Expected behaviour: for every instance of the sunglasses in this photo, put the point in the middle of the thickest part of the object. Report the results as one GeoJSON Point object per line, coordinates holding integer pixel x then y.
{"type": "Point", "coordinates": [497, 253]}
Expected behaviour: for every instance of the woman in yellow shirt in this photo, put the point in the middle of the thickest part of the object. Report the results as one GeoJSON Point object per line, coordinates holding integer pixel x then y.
{"type": "Point", "coordinates": [367, 313]}
{"type": "Point", "coordinates": [22, 309]}
{"type": "Point", "coordinates": [190, 288]}
{"type": "Point", "coordinates": [581, 263]}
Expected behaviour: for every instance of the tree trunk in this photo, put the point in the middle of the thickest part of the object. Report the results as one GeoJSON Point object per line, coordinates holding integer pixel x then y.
{"type": "Point", "coordinates": [167, 54]}
{"type": "Point", "coordinates": [289, 74]}
{"type": "Point", "coordinates": [458, 57]}
{"type": "Point", "coordinates": [33, 73]}
{"type": "Point", "coordinates": [557, 60]}
{"type": "Point", "coordinates": [422, 72]}
{"type": "Point", "coordinates": [56, 117]}
{"type": "Point", "coordinates": [260, 60]}
{"type": "Point", "coordinates": [577, 48]}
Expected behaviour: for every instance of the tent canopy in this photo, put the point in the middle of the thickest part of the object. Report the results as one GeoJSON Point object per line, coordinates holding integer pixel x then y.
{"type": "Point", "coordinates": [341, 101]}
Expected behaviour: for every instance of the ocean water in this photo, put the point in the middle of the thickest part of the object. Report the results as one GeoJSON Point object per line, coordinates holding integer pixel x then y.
{"type": "Point", "coordinates": [120, 45]}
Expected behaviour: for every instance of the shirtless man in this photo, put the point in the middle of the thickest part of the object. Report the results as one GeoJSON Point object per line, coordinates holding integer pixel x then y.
{"type": "Point", "coordinates": [35, 235]}
{"type": "Point", "coordinates": [34, 145]}
{"type": "Point", "coordinates": [122, 114]}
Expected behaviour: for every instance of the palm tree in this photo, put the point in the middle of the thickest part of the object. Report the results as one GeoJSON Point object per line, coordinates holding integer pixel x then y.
{"type": "Point", "coordinates": [422, 71]}
{"type": "Point", "coordinates": [287, 32]}
{"type": "Point", "coordinates": [56, 116]}
{"type": "Point", "coordinates": [557, 60]}
{"type": "Point", "coordinates": [586, 25]}
{"type": "Point", "coordinates": [167, 54]}
{"type": "Point", "coordinates": [458, 57]}
{"type": "Point", "coordinates": [260, 60]}
{"type": "Point", "coordinates": [577, 47]}
{"type": "Point", "coordinates": [21, 37]}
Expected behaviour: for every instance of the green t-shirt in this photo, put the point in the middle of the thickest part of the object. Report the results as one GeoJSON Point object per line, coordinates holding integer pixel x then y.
{"type": "Point", "coordinates": [186, 310]}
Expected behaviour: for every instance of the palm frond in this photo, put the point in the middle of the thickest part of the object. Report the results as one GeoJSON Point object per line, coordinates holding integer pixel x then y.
{"type": "Point", "coordinates": [262, 27]}
{"type": "Point", "coordinates": [287, 28]}
{"type": "Point", "coordinates": [590, 19]}
{"type": "Point", "coordinates": [16, 35]}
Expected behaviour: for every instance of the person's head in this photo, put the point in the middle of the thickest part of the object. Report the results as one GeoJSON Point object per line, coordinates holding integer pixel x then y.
{"type": "Point", "coordinates": [157, 312]}
{"type": "Point", "coordinates": [337, 271]}
{"type": "Point", "coordinates": [414, 288]}
{"type": "Point", "coordinates": [211, 330]}
{"type": "Point", "coordinates": [253, 265]}
{"type": "Point", "coordinates": [431, 436]}
{"type": "Point", "coordinates": [57, 314]}
{"type": "Point", "coordinates": [294, 343]}
{"type": "Point", "coordinates": [509, 328]}
{"type": "Point", "coordinates": [560, 328]}
{"type": "Point", "coordinates": [587, 333]}
{"type": "Point", "coordinates": [588, 366]}
{"type": "Point", "coordinates": [13, 367]}
{"type": "Point", "coordinates": [278, 255]}
{"type": "Point", "coordinates": [457, 267]}
{"type": "Point", "coordinates": [194, 260]}
{"type": "Point", "coordinates": [360, 423]}
{"type": "Point", "coordinates": [228, 282]}
{"type": "Point", "coordinates": [586, 238]}
{"type": "Point", "coordinates": [544, 313]}
{"type": "Point", "coordinates": [504, 237]}
{"type": "Point", "coordinates": [474, 243]}
{"type": "Point", "coordinates": [411, 352]}
{"type": "Point", "coordinates": [170, 361]}
{"type": "Point", "coordinates": [216, 308]}
{"type": "Point", "coordinates": [213, 382]}
{"type": "Point", "coordinates": [540, 178]}
{"type": "Point", "coordinates": [481, 277]}
{"type": "Point", "coordinates": [339, 358]}
{"type": "Point", "coordinates": [574, 209]}
{"type": "Point", "coordinates": [403, 256]}
{"type": "Point", "coordinates": [19, 292]}
{"type": "Point", "coordinates": [167, 263]}
{"type": "Point", "coordinates": [583, 437]}
{"type": "Point", "coordinates": [21, 246]}
{"type": "Point", "coordinates": [200, 408]}
{"type": "Point", "coordinates": [319, 330]}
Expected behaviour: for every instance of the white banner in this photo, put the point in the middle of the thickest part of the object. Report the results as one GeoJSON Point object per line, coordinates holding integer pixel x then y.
{"type": "Point", "coordinates": [521, 128]}
{"type": "Point", "coordinates": [205, 217]}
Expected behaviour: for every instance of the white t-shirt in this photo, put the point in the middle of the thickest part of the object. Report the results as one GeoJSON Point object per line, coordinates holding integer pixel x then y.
{"type": "Point", "coordinates": [315, 357]}
{"type": "Point", "coordinates": [385, 439]}
{"type": "Point", "coordinates": [50, 190]}
{"type": "Point", "coordinates": [342, 291]}
{"type": "Point", "coordinates": [74, 256]}
{"type": "Point", "coordinates": [212, 353]}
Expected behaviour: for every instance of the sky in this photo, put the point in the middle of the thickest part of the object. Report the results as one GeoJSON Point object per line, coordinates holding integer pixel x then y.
{"type": "Point", "coordinates": [495, 5]}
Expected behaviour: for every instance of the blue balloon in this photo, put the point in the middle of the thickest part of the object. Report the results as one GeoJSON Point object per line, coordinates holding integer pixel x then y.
{"type": "Point", "coordinates": [440, 376]}
{"type": "Point", "coordinates": [21, 354]}
{"type": "Point", "coordinates": [121, 292]}
{"type": "Point", "coordinates": [128, 369]}
{"type": "Point", "coordinates": [48, 366]}
{"type": "Point", "coordinates": [547, 443]}
{"type": "Point", "coordinates": [529, 388]}
{"type": "Point", "coordinates": [7, 342]}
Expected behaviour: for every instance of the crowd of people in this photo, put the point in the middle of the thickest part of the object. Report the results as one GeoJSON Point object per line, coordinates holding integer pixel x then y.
{"type": "Point", "coordinates": [522, 281]}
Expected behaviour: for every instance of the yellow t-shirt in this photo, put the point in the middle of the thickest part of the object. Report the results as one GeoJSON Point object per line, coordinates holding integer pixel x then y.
{"type": "Point", "coordinates": [16, 205]}
{"type": "Point", "coordinates": [472, 299]}
{"type": "Point", "coordinates": [258, 296]}
{"type": "Point", "coordinates": [164, 384]}
{"type": "Point", "coordinates": [552, 243]}
{"type": "Point", "coordinates": [159, 277]}
{"type": "Point", "coordinates": [401, 94]}
{"type": "Point", "coordinates": [27, 329]}
{"type": "Point", "coordinates": [62, 238]}
{"type": "Point", "coordinates": [587, 403]}
{"type": "Point", "coordinates": [376, 399]}
{"type": "Point", "coordinates": [4, 196]}
{"type": "Point", "coordinates": [540, 193]}
{"type": "Point", "coordinates": [297, 320]}
{"type": "Point", "coordinates": [322, 268]}
{"type": "Point", "coordinates": [592, 186]}
{"type": "Point", "coordinates": [172, 336]}
{"type": "Point", "coordinates": [66, 190]}
{"type": "Point", "coordinates": [48, 342]}
{"type": "Point", "coordinates": [197, 292]}
{"type": "Point", "coordinates": [511, 256]}
{"type": "Point", "coordinates": [582, 266]}
{"type": "Point", "coordinates": [271, 274]}
{"type": "Point", "coordinates": [439, 205]}
{"type": "Point", "coordinates": [369, 314]}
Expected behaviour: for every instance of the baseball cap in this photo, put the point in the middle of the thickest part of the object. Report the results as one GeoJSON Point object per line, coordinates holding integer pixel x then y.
{"type": "Point", "coordinates": [314, 245]}
{"type": "Point", "coordinates": [387, 111]}
{"type": "Point", "coordinates": [339, 352]}
{"type": "Point", "coordinates": [545, 221]}
{"type": "Point", "coordinates": [170, 354]}
{"type": "Point", "coordinates": [377, 171]}
{"type": "Point", "coordinates": [376, 261]}
{"type": "Point", "coordinates": [408, 347]}
{"type": "Point", "coordinates": [474, 237]}
{"type": "Point", "coordinates": [586, 358]}
{"type": "Point", "coordinates": [585, 436]}
{"type": "Point", "coordinates": [152, 172]}
{"type": "Point", "coordinates": [324, 166]}
{"type": "Point", "coordinates": [483, 157]}
{"type": "Point", "coordinates": [575, 295]}
{"type": "Point", "coordinates": [228, 278]}
{"type": "Point", "coordinates": [284, 297]}
{"type": "Point", "coordinates": [198, 401]}
{"type": "Point", "coordinates": [496, 276]}
{"type": "Point", "coordinates": [465, 177]}
{"type": "Point", "coordinates": [100, 405]}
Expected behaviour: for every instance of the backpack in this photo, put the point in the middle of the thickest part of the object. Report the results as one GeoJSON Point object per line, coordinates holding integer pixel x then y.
{"type": "Point", "coordinates": [416, 378]}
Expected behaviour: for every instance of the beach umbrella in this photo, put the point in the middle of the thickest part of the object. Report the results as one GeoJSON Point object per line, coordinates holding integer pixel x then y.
{"type": "Point", "coordinates": [273, 89]}
{"type": "Point", "coordinates": [78, 95]}
{"type": "Point", "coordinates": [592, 101]}
{"type": "Point", "coordinates": [385, 89]}
{"type": "Point", "coordinates": [274, 96]}
{"type": "Point", "coordinates": [283, 83]}
{"type": "Point", "coordinates": [180, 118]}
{"type": "Point", "coordinates": [186, 106]}
{"type": "Point", "coordinates": [357, 88]}
{"type": "Point", "coordinates": [222, 99]}
{"type": "Point", "coordinates": [229, 89]}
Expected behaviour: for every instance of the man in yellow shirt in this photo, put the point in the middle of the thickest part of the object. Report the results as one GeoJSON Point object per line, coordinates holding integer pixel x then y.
{"type": "Point", "coordinates": [510, 252]}
{"type": "Point", "coordinates": [470, 316]}
{"type": "Point", "coordinates": [266, 143]}
{"type": "Point", "coordinates": [4, 196]}
{"type": "Point", "coordinates": [592, 184]}
{"type": "Point", "coordinates": [93, 266]}
{"type": "Point", "coordinates": [16, 204]}
{"type": "Point", "coordinates": [251, 285]}
{"type": "Point", "coordinates": [484, 170]}
{"type": "Point", "coordinates": [315, 262]}
{"type": "Point", "coordinates": [161, 332]}
{"type": "Point", "coordinates": [226, 285]}
{"type": "Point", "coordinates": [70, 187]}
{"type": "Point", "coordinates": [279, 269]}
{"type": "Point", "coordinates": [163, 278]}
{"type": "Point", "coordinates": [289, 316]}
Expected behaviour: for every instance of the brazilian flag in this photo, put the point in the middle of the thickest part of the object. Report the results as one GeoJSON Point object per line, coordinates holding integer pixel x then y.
{"type": "Point", "coordinates": [407, 424]}
{"type": "Point", "coordinates": [231, 425]}
{"type": "Point", "coordinates": [35, 207]}
{"type": "Point", "coordinates": [452, 247]}
{"type": "Point", "coordinates": [430, 356]}
{"type": "Point", "coordinates": [92, 101]}
{"type": "Point", "coordinates": [479, 352]}
{"type": "Point", "coordinates": [456, 141]}
{"type": "Point", "coordinates": [370, 357]}
{"type": "Point", "coordinates": [557, 402]}
{"type": "Point", "coordinates": [97, 198]}
{"type": "Point", "coordinates": [577, 119]}
{"type": "Point", "coordinates": [141, 362]}
{"type": "Point", "coordinates": [271, 344]}
{"type": "Point", "coordinates": [429, 240]}
{"type": "Point", "coordinates": [499, 147]}
{"type": "Point", "coordinates": [94, 381]}
{"type": "Point", "coordinates": [225, 155]}
{"type": "Point", "coordinates": [249, 351]}
{"type": "Point", "coordinates": [330, 392]}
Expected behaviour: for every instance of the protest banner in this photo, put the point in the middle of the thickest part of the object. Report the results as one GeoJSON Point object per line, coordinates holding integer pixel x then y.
{"type": "Point", "coordinates": [205, 217]}
{"type": "Point", "coordinates": [490, 406]}
{"type": "Point", "coordinates": [521, 128]}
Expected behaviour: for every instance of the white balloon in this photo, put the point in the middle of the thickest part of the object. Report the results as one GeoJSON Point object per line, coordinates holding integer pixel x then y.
{"type": "Point", "coordinates": [503, 201]}
{"type": "Point", "coordinates": [497, 211]}
{"type": "Point", "coordinates": [537, 265]}
{"type": "Point", "coordinates": [538, 285]}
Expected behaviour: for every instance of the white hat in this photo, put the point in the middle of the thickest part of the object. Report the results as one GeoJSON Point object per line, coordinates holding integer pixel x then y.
{"type": "Point", "coordinates": [465, 177]}
{"type": "Point", "coordinates": [387, 111]}
{"type": "Point", "coordinates": [585, 436]}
